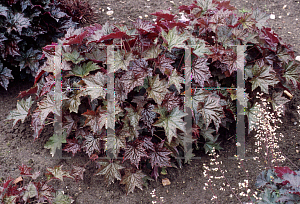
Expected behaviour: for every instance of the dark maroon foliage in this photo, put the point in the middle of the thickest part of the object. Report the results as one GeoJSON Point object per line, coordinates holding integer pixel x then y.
{"type": "Point", "coordinates": [27, 26]}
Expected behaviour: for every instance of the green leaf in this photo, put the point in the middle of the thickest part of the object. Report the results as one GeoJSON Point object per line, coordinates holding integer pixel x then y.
{"type": "Point", "coordinates": [260, 17]}
{"type": "Point", "coordinates": [292, 73]}
{"type": "Point", "coordinates": [208, 134]}
{"type": "Point", "coordinates": [73, 57]}
{"type": "Point", "coordinates": [95, 85]}
{"type": "Point", "coordinates": [74, 101]}
{"type": "Point", "coordinates": [212, 111]}
{"type": "Point", "coordinates": [186, 141]}
{"type": "Point", "coordinates": [171, 122]}
{"type": "Point", "coordinates": [55, 142]}
{"type": "Point", "coordinates": [157, 89]}
{"type": "Point", "coordinates": [174, 39]}
{"type": "Point", "coordinates": [252, 116]}
{"type": "Point", "coordinates": [61, 198]}
{"type": "Point", "coordinates": [188, 156]}
{"type": "Point", "coordinates": [96, 55]}
{"type": "Point", "coordinates": [152, 52]}
{"type": "Point", "coordinates": [123, 28]}
{"type": "Point", "coordinates": [114, 144]}
{"type": "Point", "coordinates": [121, 60]}
{"type": "Point", "coordinates": [10, 199]}
{"type": "Point", "coordinates": [30, 192]}
{"type": "Point", "coordinates": [21, 112]}
{"type": "Point", "coordinates": [199, 96]}
{"type": "Point", "coordinates": [111, 171]}
{"type": "Point", "coordinates": [176, 80]}
{"type": "Point", "coordinates": [208, 146]}
{"type": "Point", "coordinates": [268, 196]}
{"type": "Point", "coordinates": [134, 117]}
{"type": "Point", "coordinates": [206, 5]}
{"type": "Point", "coordinates": [241, 95]}
{"type": "Point", "coordinates": [46, 106]}
{"type": "Point", "coordinates": [85, 69]}
{"type": "Point", "coordinates": [263, 77]}
{"type": "Point", "coordinates": [58, 173]}
{"type": "Point", "coordinates": [199, 47]}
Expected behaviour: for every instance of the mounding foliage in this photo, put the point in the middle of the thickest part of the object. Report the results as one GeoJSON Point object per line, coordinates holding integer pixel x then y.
{"type": "Point", "coordinates": [25, 27]}
{"type": "Point", "coordinates": [150, 131]}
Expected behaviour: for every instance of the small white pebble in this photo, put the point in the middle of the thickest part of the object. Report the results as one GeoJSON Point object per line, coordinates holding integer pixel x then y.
{"type": "Point", "coordinates": [172, 2]}
{"type": "Point", "coordinates": [109, 13]}
{"type": "Point", "coordinates": [284, 7]}
{"type": "Point", "coordinates": [108, 8]}
{"type": "Point", "coordinates": [154, 19]}
{"type": "Point", "coordinates": [141, 17]}
{"type": "Point", "coordinates": [295, 123]}
{"type": "Point", "coordinates": [146, 16]}
{"type": "Point", "coordinates": [272, 16]}
{"type": "Point", "coordinates": [238, 144]}
{"type": "Point", "coordinates": [289, 32]}
{"type": "Point", "coordinates": [148, 0]}
{"type": "Point", "coordinates": [297, 58]}
{"type": "Point", "coordinates": [279, 16]}
{"type": "Point", "coordinates": [288, 14]}
{"type": "Point", "coordinates": [296, 19]}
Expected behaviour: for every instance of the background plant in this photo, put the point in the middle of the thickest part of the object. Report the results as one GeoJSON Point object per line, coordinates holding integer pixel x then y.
{"type": "Point", "coordinates": [25, 27]}
{"type": "Point", "coordinates": [81, 11]}
{"type": "Point", "coordinates": [149, 86]}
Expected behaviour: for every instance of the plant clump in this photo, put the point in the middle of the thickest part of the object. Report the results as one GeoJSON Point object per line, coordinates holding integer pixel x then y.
{"type": "Point", "coordinates": [148, 73]}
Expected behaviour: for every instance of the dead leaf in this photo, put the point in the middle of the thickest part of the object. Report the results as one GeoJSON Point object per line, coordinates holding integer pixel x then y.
{"type": "Point", "coordinates": [165, 182]}
{"type": "Point", "coordinates": [17, 180]}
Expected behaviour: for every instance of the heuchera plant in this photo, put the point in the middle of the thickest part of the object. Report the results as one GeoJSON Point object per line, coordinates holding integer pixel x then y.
{"type": "Point", "coordinates": [27, 189]}
{"type": "Point", "coordinates": [150, 132]}
{"type": "Point", "coordinates": [280, 185]}
{"type": "Point", "coordinates": [25, 27]}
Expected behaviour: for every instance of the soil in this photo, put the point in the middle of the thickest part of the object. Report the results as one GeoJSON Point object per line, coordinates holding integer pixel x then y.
{"type": "Point", "coordinates": [17, 146]}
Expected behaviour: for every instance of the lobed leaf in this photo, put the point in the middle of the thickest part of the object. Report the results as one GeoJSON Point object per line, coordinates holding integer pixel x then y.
{"type": "Point", "coordinates": [171, 122]}
{"type": "Point", "coordinates": [85, 69]}
{"type": "Point", "coordinates": [111, 171]}
{"type": "Point", "coordinates": [21, 112]}
{"type": "Point", "coordinates": [55, 142]}
{"type": "Point", "coordinates": [132, 180]}
{"type": "Point", "coordinates": [159, 157]}
{"type": "Point", "coordinates": [134, 151]}
{"type": "Point", "coordinates": [58, 173]}
{"type": "Point", "coordinates": [212, 111]}
{"type": "Point", "coordinates": [157, 89]}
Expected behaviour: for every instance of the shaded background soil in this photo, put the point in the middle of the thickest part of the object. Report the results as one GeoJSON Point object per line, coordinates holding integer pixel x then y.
{"type": "Point", "coordinates": [17, 146]}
